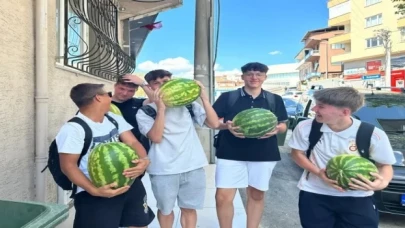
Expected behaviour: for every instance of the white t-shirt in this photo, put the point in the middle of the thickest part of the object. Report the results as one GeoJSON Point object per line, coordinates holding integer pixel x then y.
{"type": "Point", "coordinates": [332, 144]}
{"type": "Point", "coordinates": [180, 149]}
{"type": "Point", "coordinates": [70, 138]}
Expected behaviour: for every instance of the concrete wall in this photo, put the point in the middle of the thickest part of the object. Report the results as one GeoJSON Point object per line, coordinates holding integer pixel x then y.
{"type": "Point", "coordinates": [17, 80]}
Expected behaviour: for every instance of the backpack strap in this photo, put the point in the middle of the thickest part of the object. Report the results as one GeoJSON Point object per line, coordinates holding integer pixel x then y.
{"type": "Point", "coordinates": [363, 139]}
{"type": "Point", "coordinates": [148, 110]}
{"type": "Point", "coordinates": [88, 136]}
{"type": "Point", "coordinates": [233, 96]}
{"type": "Point", "coordinates": [112, 120]}
{"type": "Point", "coordinates": [314, 136]}
{"type": "Point", "coordinates": [190, 109]}
{"type": "Point", "coordinates": [271, 100]}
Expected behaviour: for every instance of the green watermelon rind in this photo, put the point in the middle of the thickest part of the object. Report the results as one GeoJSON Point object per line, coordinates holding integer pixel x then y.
{"type": "Point", "coordinates": [180, 92]}
{"type": "Point", "coordinates": [255, 122]}
{"type": "Point", "coordinates": [346, 166]}
{"type": "Point", "coordinates": [119, 152]}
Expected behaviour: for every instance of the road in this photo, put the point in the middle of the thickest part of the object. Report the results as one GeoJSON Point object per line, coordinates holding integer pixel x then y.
{"type": "Point", "coordinates": [281, 207]}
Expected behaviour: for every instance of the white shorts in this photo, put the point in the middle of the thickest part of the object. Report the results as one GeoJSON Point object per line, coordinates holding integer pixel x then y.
{"type": "Point", "coordinates": [241, 174]}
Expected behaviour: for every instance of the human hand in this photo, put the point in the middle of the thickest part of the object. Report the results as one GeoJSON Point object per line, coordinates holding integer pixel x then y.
{"type": "Point", "coordinates": [333, 183]}
{"type": "Point", "coordinates": [366, 185]}
{"type": "Point", "coordinates": [157, 98]}
{"type": "Point", "coordinates": [234, 130]}
{"type": "Point", "coordinates": [133, 79]}
{"type": "Point", "coordinates": [203, 94]}
{"type": "Point", "coordinates": [271, 133]}
{"type": "Point", "coordinates": [109, 190]}
{"type": "Point", "coordinates": [139, 169]}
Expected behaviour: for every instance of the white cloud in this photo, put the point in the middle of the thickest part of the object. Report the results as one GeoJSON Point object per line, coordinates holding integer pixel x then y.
{"type": "Point", "coordinates": [275, 53]}
{"type": "Point", "coordinates": [174, 65]}
{"type": "Point", "coordinates": [179, 66]}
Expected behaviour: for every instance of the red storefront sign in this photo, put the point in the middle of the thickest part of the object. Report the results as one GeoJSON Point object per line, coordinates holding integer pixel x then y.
{"type": "Point", "coordinates": [397, 79]}
{"type": "Point", "coordinates": [373, 65]}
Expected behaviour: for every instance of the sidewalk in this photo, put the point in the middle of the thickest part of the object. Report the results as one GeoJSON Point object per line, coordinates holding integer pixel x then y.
{"type": "Point", "coordinates": [207, 218]}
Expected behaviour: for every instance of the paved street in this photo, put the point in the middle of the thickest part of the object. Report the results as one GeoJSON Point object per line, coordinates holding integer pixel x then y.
{"type": "Point", "coordinates": [281, 208]}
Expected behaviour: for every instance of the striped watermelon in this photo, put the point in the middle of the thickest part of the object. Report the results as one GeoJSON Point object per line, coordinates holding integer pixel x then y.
{"type": "Point", "coordinates": [108, 161]}
{"type": "Point", "coordinates": [343, 167]}
{"type": "Point", "coordinates": [180, 92]}
{"type": "Point", "coordinates": [114, 109]}
{"type": "Point", "coordinates": [255, 122]}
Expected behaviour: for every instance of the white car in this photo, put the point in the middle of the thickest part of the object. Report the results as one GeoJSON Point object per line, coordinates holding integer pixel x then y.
{"type": "Point", "coordinates": [295, 95]}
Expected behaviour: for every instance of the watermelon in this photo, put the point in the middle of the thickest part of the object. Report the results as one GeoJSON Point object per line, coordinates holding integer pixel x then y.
{"type": "Point", "coordinates": [114, 109]}
{"type": "Point", "coordinates": [343, 167]}
{"type": "Point", "coordinates": [255, 122]}
{"type": "Point", "coordinates": [108, 161]}
{"type": "Point", "coordinates": [179, 92]}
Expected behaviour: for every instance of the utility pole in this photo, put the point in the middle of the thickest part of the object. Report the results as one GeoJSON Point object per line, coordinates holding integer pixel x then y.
{"type": "Point", "coordinates": [203, 64]}
{"type": "Point", "coordinates": [385, 36]}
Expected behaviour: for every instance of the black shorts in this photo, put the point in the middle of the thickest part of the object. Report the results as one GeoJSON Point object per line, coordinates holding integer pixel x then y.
{"type": "Point", "coordinates": [322, 211]}
{"type": "Point", "coordinates": [128, 209]}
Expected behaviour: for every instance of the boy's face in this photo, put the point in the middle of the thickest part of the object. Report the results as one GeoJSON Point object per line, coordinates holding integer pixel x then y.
{"type": "Point", "coordinates": [329, 114]}
{"type": "Point", "coordinates": [156, 84]}
{"type": "Point", "coordinates": [254, 79]}
{"type": "Point", "coordinates": [124, 92]}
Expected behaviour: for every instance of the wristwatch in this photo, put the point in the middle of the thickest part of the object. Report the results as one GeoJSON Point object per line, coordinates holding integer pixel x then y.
{"type": "Point", "coordinates": [144, 83]}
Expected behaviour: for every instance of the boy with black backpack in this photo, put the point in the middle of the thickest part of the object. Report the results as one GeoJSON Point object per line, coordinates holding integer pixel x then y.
{"type": "Point", "coordinates": [322, 203]}
{"type": "Point", "coordinates": [107, 206]}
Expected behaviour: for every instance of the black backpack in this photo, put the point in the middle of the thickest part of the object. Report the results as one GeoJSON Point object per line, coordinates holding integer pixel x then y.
{"type": "Point", "coordinates": [148, 110]}
{"type": "Point", "coordinates": [53, 156]}
{"type": "Point", "coordinates": [233, 97]}
{"type": "Point", "coordinates": [363, 138]}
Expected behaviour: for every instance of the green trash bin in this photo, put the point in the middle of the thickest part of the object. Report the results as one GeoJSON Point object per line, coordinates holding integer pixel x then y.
{"type": "Point", "coordinates": [16, 214]}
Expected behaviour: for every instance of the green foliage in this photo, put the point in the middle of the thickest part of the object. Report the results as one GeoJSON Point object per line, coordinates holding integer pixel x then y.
{"type": "Point", "coordinates": [400, 5]}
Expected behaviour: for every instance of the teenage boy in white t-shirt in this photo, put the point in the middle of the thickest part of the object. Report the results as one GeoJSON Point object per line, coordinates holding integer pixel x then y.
{"type": "Point", "coordinates": [104, 207]}
{"type": "Point", "coordinates": [322, 203]}
{"type": "Point", "coordinates": [177, 156]}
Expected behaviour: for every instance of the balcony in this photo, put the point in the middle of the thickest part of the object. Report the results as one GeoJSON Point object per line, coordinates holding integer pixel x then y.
{"type": "Point", "coordinates": [341, 58]}
{"type": "Point", "coordinates": [332, 3]}
{"type": "Point", "coordinates": [401, 22]}
{"type": "Point", "coordinates": [312, 56]}
{"type": "Point", "coordinates": [340, 39]}
{"type": "Point", "coordinates": [313, 75]}
{"type": "Point", "coordinates": [340, 20]}
{"type": "Point", "coordinates": [131, 8]}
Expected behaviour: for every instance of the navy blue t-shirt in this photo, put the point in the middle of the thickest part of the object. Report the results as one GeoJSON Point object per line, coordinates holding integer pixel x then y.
{"type": "Point", "coordinates": [247, 149]}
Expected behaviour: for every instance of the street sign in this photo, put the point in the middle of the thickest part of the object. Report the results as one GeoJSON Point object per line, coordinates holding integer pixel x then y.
{"type": "Point", "coordinates": [369, 77]}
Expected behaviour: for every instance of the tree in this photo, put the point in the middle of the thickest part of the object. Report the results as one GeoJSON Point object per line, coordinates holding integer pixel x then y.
{"type": "Point", "coordinates": [400, 5]}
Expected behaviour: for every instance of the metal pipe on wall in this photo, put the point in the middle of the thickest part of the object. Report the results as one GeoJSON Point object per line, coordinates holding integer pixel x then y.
{"type": "Point", "coordinates": [41, 96]}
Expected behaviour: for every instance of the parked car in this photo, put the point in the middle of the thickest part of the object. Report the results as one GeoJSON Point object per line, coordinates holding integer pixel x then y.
{"type": "Point", "coordinates": [386, 111]}
{"type": "Point", "coordinates": [292, 106]}
{"type": "Point", "coordinates": [293, 94]}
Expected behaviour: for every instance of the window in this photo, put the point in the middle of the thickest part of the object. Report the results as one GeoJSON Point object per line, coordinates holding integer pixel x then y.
{"type": "Point", "coordinates": [374, 20]}
{"type": "Point", "coordinates": [338, 46]}
{"type": "Point", "coordinates": [78, 35]}
{"type": "Point", "coordinates": [373, 42]}
{"type": "Point", "coordinates": [372, 2]}
{"type": "Point", "coordinates": [402, 34]}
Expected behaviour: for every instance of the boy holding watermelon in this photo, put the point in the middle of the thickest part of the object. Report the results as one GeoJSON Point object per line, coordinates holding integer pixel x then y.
{"type": "Point", "coordinates": [322, 203]}
{"type": "Point", "coordinates": [104, 207]}
{"type": "Point", "coordinates": [177, 156]}
{"type": "Point", "coordinates": [246, 162]}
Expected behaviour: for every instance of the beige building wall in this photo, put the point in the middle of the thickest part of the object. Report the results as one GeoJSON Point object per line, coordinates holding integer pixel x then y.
{"type": "Point", "coordinates": [17, 80]}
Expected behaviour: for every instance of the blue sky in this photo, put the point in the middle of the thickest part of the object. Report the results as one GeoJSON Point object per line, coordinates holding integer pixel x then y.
{"type": "Point", "coordinates": [250, 30]}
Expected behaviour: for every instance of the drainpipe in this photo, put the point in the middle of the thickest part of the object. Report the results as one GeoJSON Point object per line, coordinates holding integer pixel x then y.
{"type": "Point", "coordinates": [41, 96]}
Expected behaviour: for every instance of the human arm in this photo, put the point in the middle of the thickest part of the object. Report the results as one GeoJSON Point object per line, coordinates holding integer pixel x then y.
{"type": "Point", "coordinates": [299, 144]}
{"type": "Point", "coordinates": [141, 83]}
{"type": "Point", "coordinates": [282, 117]}
{"type": "Point", "coordinates": [381, 152]}
{"type": "Point", "coordinates": [211, 117]}
{"type": "Point", "coordinates": [70, 141]}
{"type": "Point", "coordinates": [143, 162]}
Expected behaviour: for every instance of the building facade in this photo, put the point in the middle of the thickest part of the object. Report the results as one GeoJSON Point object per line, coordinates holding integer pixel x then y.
{"type": "Point", "coordinates": [46, 50]}
{"type": "Point", "coordinates": [282, 75]}
{"type": "Point", "coordinates": [364, 57]}
{"type": "Point", "coordinates": [315, 57]}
